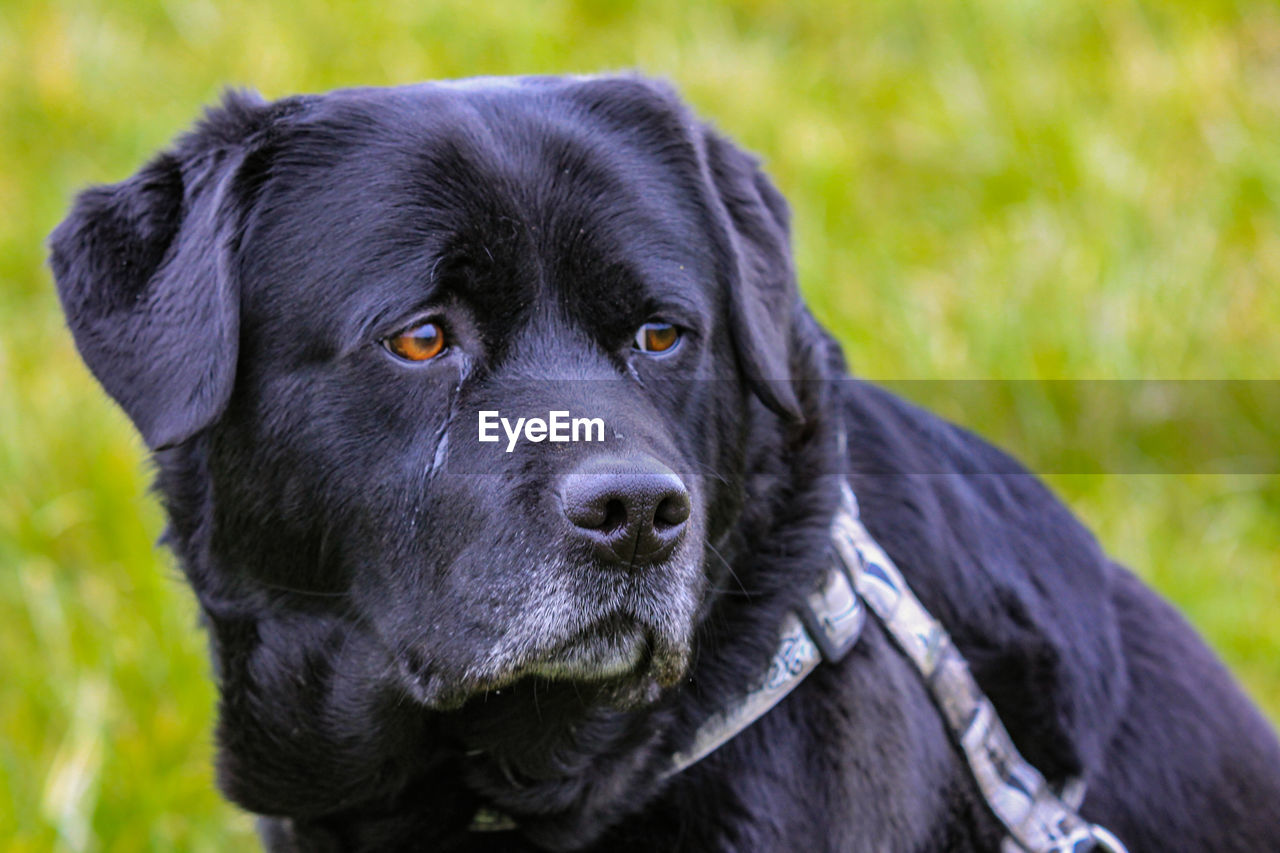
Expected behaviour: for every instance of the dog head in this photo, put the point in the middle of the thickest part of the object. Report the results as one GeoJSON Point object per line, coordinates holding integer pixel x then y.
{"type": "Point", "coordinates": [310, 307]}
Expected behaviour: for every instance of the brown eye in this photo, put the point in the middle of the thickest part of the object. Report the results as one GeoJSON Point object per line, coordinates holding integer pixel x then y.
{"type": "Point", "coordinates": [657, 337]}
{"type": "Point", "coordinates": [421, 343]}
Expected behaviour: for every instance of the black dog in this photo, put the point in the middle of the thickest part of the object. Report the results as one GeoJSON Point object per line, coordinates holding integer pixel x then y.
{"type": "Point", "coordinates": [306, 306]}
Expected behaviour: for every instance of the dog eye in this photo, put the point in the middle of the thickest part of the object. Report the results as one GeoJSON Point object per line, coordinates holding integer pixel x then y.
{"type": "Point", "coordinates": [420, 343]}
{"type": "Point", "coordinates": [657, 337]}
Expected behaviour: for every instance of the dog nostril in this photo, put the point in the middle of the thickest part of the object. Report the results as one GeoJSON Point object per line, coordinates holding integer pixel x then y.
{"type": "Point", "coordinates": [615, 516]}
{"type": "Point", "coordinates": [671, 512]}
{"type": "Point", "coordinates": [597, 512]}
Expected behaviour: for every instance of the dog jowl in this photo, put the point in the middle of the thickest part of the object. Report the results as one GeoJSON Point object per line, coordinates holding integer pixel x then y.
{"type": "Point", "coordinates": [312, 308]}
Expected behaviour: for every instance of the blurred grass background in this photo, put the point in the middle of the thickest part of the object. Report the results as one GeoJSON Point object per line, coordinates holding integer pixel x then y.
{"type": "Point", "coordinates": [986, 189]}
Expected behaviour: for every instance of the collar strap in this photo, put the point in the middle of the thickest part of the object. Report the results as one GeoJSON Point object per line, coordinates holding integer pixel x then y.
{"type": "Point", "coordinates": [1038, 818]}
{"type": "Point", "coordinates": [826, 625]}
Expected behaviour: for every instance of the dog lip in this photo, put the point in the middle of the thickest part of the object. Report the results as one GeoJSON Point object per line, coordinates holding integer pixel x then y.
{"type": "Point", "coordinates": [610, 648]}
{"type": "Point", "coordinates": [627, 656]}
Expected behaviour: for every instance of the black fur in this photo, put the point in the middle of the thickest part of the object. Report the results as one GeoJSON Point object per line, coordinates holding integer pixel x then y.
{"type": "Point", "coordinates": [384, 594]}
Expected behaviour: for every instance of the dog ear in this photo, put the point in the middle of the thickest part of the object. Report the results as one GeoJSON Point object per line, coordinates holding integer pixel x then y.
{"type": "Point", "coordinates": [144, 275]}
{"type": "Point", "coordinates": [763, 297]}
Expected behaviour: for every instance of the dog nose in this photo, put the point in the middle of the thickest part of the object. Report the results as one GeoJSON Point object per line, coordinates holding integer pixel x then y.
{"type": "Point", "coordinates": [633, 511]}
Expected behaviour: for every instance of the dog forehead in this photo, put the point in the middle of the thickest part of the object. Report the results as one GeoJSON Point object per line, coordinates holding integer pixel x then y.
{"type": "Point", "coordinates": [376, 191]}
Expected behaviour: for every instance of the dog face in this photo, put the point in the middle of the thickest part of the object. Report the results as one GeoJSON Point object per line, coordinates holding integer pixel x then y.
{"type": "Point", "coordinates": [313, 304]}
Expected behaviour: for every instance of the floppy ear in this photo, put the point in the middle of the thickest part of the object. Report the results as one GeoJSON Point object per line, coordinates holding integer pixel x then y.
{"type": "Point", "coordinates": [143, 272]}
{"type": "Point", "coordinates": [763, 297]}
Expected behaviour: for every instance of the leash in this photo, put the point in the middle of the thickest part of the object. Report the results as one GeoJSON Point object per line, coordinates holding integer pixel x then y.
{"type": "Point", "coordinates": [862, 577]}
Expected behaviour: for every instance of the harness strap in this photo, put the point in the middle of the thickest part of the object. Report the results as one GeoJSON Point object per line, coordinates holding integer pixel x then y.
{"type": "Point", "coordinates": [1038, 819]}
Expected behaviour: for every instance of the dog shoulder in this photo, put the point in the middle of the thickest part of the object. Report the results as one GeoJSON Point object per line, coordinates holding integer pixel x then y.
{"type": "Point", "coordinates": [1021, 585]}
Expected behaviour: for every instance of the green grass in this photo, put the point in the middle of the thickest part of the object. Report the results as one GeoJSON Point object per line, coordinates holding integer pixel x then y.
{"type": "Point", "coordinates": [1083, 189]}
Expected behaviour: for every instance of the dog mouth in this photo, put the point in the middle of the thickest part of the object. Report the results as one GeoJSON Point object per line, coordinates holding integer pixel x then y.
{"type": "Point", "coordinates": [626, 662]}
{"type": "Point", "coordinates": [612, 648]}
